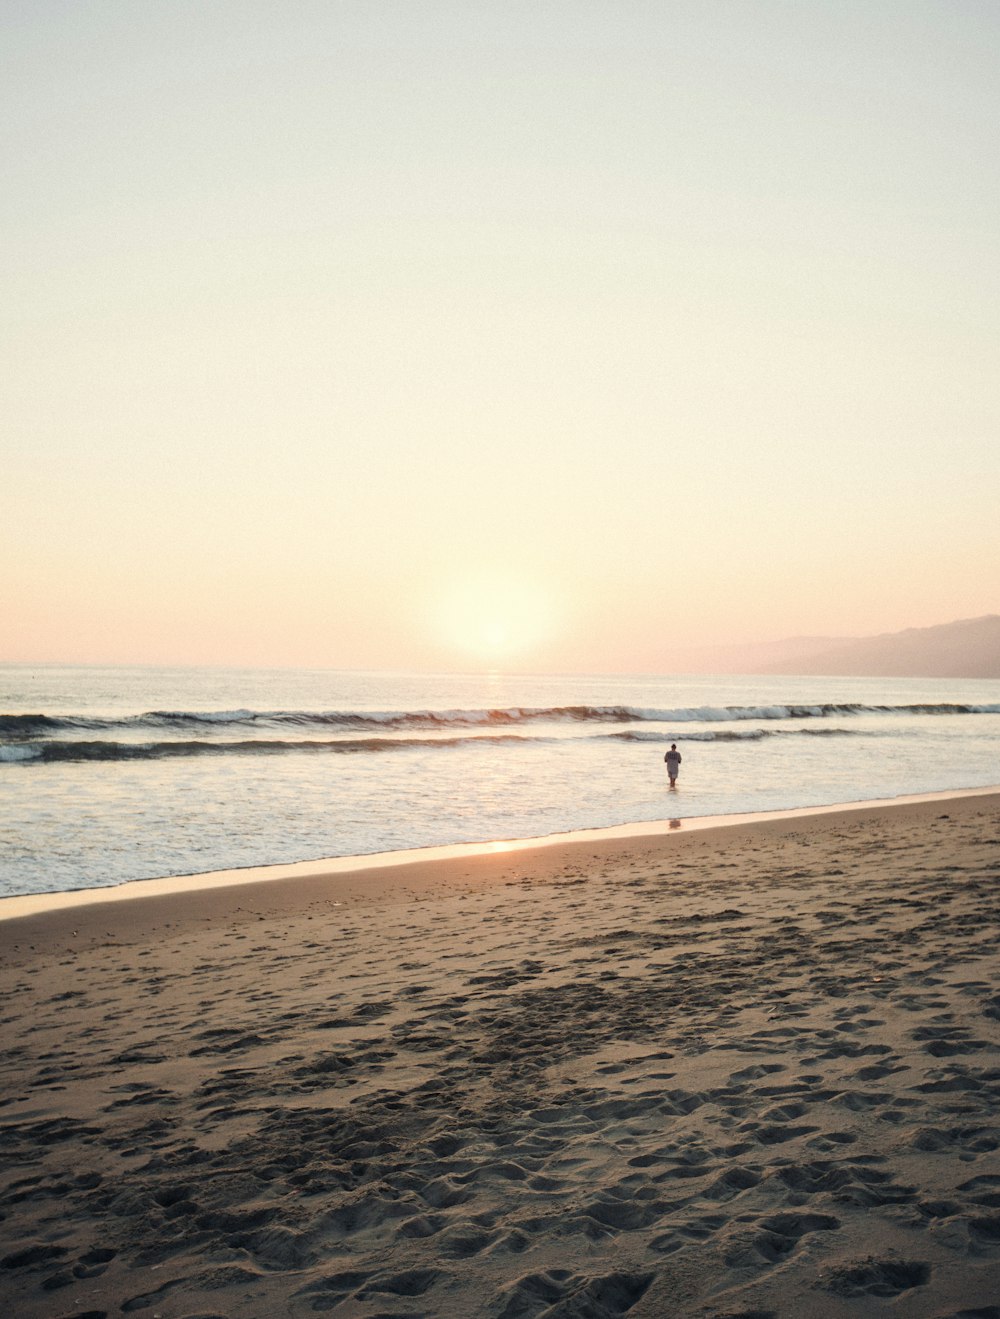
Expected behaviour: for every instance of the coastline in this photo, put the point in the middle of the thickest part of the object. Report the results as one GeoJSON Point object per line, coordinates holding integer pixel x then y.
{"type": "Point", "coordinates": [17, 906]}
{"type": "Point", "coordinates": [133, 774]}
{"type": "Point", "coordinates": [736, 1070]}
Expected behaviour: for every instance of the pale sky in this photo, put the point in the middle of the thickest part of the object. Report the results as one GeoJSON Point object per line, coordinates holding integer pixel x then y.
{"type": "Point", "coordinates": [547, 333]}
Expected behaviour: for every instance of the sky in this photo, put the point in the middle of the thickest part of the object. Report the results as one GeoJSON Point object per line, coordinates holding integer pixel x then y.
{"type": "Point", "coordinates": [552, 335]}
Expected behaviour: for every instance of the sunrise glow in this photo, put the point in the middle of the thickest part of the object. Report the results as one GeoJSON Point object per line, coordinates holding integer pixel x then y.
{"type": "Point", "coordinates": [494, 619]}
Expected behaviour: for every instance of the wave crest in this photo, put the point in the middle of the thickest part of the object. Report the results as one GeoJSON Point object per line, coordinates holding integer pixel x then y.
{"type": "Point", "coordinates": [27, 726]}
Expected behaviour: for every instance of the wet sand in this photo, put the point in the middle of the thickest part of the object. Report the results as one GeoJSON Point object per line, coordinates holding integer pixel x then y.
{"type": "Point", "coordinates": [743, 1071]}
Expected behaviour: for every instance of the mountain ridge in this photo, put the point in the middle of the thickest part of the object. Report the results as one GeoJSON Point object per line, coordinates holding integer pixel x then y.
{"type": "Point", "coordinates": [966, 648]}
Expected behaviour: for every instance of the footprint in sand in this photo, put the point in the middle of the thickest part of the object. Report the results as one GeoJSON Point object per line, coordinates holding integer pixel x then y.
{"type": "Point", "coordinates": [876, 1277]}
{"type": "Point", "coordinates": [598, 1298]}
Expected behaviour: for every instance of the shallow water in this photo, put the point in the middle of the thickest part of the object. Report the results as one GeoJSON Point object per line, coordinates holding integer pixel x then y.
{"type": "Point", "coordinates": [134, 773]}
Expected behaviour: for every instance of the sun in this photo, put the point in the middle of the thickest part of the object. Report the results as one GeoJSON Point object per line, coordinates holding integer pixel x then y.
{"type": "Point", "coordinates": [494, 618]}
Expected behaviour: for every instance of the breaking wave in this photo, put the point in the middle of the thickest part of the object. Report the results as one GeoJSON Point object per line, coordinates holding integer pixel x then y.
{"type": "Point", "coordinates": [33, 739]}
{"type": "Point", "coordinates": [51, 752]}
{"type": "Point", "coordinates": [63, 751]}
{"type": "Point", "coordinates": [27, 726]}
{"type": "Point", "coordinates": [741, 734]}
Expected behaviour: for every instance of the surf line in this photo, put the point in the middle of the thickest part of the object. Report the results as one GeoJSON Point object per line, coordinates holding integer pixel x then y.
{"type": "Point", "coordinates": [34, 904]}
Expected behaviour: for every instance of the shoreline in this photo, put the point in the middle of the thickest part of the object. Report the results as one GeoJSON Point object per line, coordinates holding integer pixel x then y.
{"type": "Point", "coordinates": [712, 1072]}
{"type": "Point", "coordinates": [19, 906]}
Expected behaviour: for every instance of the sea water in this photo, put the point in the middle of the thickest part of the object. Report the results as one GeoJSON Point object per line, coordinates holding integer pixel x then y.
{"type": "Point", "coordinates": [116, 774]}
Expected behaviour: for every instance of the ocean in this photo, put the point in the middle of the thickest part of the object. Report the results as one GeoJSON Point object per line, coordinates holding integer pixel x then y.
{"type": "Point", "coordinates": [116, 774]}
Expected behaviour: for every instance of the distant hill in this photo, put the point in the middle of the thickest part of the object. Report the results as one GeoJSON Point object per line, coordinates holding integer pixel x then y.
{"type": "Point", "coordinates": [966, 649]}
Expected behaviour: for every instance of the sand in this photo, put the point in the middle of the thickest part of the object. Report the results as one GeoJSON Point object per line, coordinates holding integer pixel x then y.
{"type": "Point", "coordinates": [751, 1071]}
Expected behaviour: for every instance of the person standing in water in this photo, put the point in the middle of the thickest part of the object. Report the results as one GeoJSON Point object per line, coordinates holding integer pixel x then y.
{"type": "Point", "coordinates": [673, 759]}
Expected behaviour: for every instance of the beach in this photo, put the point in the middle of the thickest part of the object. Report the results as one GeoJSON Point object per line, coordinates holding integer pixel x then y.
{"type": "Point", "coordinates": [739, 1071]}
{"type": "Point", "coordinates": [123, 774]}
